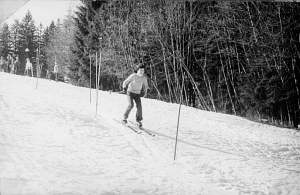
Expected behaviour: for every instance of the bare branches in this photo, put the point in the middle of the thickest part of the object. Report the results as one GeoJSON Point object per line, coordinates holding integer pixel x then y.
{"type": "Point", "coordinates": [231, 57]}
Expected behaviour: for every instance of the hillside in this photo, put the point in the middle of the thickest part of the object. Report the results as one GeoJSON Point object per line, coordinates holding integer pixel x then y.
{"type": "Point", "coordinates": [51, 142]}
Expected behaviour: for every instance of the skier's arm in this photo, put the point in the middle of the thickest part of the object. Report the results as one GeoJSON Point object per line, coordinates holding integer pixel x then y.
{"type": "Point", "coordinates": [127, 81]}
{"type": "Point", "coordinates": [145, 87]}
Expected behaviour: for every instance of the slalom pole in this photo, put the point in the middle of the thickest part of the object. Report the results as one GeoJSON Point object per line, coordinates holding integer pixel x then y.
{"type": "Point", "coordinates": [90, 77]}
{"type": "Point", "coordinates": [56, 73]}
{"type": "Point", "coordinates": [96, 80]}
{"type": "Point", "coordinates": [178, 119]}
{"type": "Point", "coordinates": [37, 67]}
{"type": "Point", "coordinates": [31, 71]}
{"type": "Point", "coordinates": [99, 68]}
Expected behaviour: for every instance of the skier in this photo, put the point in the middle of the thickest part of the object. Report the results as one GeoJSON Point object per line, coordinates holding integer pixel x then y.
{"type": "Point", "coordinates": [39, 68]}
{"type": "Point", "coordinates": [28, 67]}
{"type": "Point", "coordinates": [17, 64]}
{"type": "Point", "coordinates": [136, 86]}
{"type": "Point", "coordinates": [55, 70]}
{"type": "Point", "coordinates": [12, 65]}
{"type": "Point", "coordinates": [9, 62]}
{"type": "Point", "coordinates": [48, 74]}
{"type": "Point", "coordinates": [2, 63]}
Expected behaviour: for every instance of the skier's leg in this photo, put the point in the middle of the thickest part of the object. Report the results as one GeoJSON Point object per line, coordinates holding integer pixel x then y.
{"type": "Point", "coordinates": [130, 105]}
{"type": "Point", "coordinates": [139, 111]}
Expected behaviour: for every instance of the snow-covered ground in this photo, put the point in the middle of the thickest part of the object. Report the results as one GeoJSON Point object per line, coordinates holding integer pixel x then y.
{"type": "Point", "coordinates": [51, 142]}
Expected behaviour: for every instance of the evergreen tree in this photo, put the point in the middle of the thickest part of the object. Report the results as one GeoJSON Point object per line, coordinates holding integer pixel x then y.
{"type": "Point", "coordinates": [59, 46]}
{"type": "Point", "coordinates": [4, 41]}
{"type": "Point", "coordinates": [27, 40]}
{"type": "Point", "coordinates": [40, 48]}
{"type": "Point", "coordinates": [87, 40]}
{"type": "Point", "coordinates": [15, 37]}
{"type": "Point", "coordinates": [47, 36]}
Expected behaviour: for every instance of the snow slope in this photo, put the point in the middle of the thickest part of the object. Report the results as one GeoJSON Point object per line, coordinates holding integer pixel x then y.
{"type": "Point", "coordinates": [51, 142]}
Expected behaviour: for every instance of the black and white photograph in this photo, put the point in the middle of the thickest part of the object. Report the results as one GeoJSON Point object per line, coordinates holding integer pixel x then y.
{"type": "Point", "coordinates": [149, 97]}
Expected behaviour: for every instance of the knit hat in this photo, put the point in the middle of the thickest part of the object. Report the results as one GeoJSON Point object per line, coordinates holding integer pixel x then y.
{"type": "Point", "coordinates": [140, 66]}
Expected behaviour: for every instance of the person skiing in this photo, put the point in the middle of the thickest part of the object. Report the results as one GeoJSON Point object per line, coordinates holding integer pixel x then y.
{"type": "Point", "coordinates": [135, 86]}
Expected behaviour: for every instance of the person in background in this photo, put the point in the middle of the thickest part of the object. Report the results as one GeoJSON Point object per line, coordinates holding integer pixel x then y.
{"type": "Point", "coordinates": [12, 65]}
{"type": "Point", "coordinates": [55, 71]}
{"type": "Point", "coordinates": [39, 68]}
{"type": "Point", "coordinates": [16, 64]}
{"type": "Point", "coordinates": [2, 63]}
{"type": "Point", "coordinates": [8, 63]}
{"type": "Point", "coordinates": [28, 67]}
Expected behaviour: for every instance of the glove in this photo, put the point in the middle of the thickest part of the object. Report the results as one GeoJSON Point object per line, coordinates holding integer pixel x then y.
{"type": "Point", "coordinates": [123, 91]}
{"type": "Point", "coordinates": [143, 93]}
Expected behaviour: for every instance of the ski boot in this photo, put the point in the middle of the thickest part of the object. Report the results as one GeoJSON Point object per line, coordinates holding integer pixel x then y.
{"type": "Point", "coordinates": [124, 121]}
{"type": "Point", "coordinates": [139, 124]}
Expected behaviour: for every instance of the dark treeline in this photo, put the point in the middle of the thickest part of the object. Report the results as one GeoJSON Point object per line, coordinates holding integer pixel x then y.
{"type": "Point", "coordinates": [237, 58]}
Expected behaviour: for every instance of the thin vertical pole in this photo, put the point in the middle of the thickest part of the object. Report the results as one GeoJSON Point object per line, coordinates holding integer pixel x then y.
{"type": "Point", "coordinates": [99, 69]}
{"type": "Point", "coordinates": [38, 61]}
{"type": "Point", "coordinates": [90, 78]}
{"type": "Point", "coordinates": [178, 119]}
{"type": "Point", "coordinates": [96, 80]}
{"type": "Point", "coordinates": [56, 67]}
{"type": "Point", "coordinates": [37, 67]}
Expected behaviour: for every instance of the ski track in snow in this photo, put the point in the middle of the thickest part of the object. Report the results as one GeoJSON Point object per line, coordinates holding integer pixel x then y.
{"type": "Point", "coordinates": [51, 142]}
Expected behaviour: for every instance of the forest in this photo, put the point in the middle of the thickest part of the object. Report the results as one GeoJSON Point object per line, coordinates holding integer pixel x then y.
{"type": "Point", "coordinates": [240, 58]}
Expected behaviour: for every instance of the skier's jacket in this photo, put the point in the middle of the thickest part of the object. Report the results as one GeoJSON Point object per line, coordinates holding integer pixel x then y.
{"type": "Point", "coordinates": [136, 84]}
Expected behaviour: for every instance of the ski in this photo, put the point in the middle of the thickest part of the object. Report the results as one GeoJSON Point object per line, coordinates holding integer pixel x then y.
{"type": "Point", "coordinates": [143, 129]}
{"type": "Point", "coordinates": [130, 127]}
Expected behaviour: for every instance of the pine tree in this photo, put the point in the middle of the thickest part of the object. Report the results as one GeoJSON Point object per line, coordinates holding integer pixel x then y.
{"type": "Point", "coordinates": [47, 36]}
{"type": "Point", "coordinates": [27, 40]}
{"type": "Point", "coordinates": [15, 37]}
{"type": "Point", "coordinates": [4, 41]}
{"type": "Point", "coordinates": [59, 46]}
{"type": "Point", "coordinates": [40, 49]}
{"type": "Point", "coordinates": [87, 36]}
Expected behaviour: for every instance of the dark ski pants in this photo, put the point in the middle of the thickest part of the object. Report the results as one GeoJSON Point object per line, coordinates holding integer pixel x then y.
{"type": "Point", "coordinates": [138, 102]}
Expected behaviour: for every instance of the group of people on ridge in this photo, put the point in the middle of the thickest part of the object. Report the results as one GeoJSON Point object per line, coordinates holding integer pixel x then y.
{"type": "Point", "coordinates": [9, 64]}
